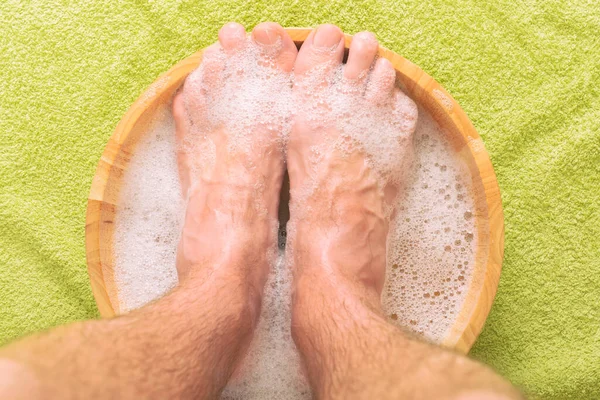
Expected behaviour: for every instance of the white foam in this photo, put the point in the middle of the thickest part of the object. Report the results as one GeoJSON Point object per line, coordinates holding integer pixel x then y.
{"type": "Point", "coordinates": [149, 219]}
{"type": "Point", "coordinates": [424, 289]}
{"type": "Point", "coordinates": [271, 369]}
{"type": "Point", "coordinates": [432, 243]}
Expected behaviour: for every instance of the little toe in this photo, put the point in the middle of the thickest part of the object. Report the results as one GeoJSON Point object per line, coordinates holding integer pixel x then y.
{"type": "Point", "coordinates": [382, 81]}
{"type": "Point", "coordinates": [323, 45]}
{"type": "Point", "coordinates": [361, 56]}
{"type": "Point", "coordinates": [232, 36]}
{"type": "Point", "coordinates": [275, 43]}
{"type": "Point", "coordinates": [181, 128]}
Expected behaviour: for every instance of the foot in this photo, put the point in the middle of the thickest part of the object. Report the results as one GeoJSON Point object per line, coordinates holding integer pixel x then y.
{"type": "Point", "coordinates": [349, 150]}
{"type": "Point", "coordinates": [230, 139]}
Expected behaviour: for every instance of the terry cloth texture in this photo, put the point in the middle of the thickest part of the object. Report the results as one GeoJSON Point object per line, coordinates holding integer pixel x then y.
{"type": "Point", "coordinates": [526, 73]}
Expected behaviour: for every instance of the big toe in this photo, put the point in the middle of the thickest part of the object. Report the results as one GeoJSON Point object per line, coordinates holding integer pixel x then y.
{"type": "Point", "coordinates": [362, 54]}
{"type": "Point", "coordinates": [275, 43]}
{"type": "Point", "coordinates": [324, 45]}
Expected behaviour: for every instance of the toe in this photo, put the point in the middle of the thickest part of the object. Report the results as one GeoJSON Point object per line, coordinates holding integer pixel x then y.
{"type": "Point", "coordinates": [232, 36]}
{"type": "Point", "coordinates": [362, 54]}
{"type": "Point", "coordinates": [181, 127]}
{"type": "Point", "coordinates": [324, 45]}
{"type": "Point", "coordinates": [406, 112]}
{"type": "Point", "coordinates": [382, 81]}
{"type": "Point", "coordinates": [274, 42]}
{"type": "Point", "coordinates": [178, 112]}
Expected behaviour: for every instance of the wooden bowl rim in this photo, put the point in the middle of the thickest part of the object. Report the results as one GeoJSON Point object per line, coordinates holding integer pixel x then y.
{"type": "Point", "coordinates": [461, 340]}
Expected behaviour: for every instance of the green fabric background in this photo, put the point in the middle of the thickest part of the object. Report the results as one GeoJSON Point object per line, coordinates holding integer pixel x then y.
{"type": "Point", "coordinates": [527, 74]}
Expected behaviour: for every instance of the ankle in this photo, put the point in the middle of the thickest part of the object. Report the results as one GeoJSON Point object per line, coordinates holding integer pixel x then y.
{"type": "Point", "coordinates": [350, 273]}
{"type": "Point", "coordinates": [352, 251]}
{"type": "Point", "coordinates": [219, 250]}
{"type": "Point", "coordinates": [225, 230]}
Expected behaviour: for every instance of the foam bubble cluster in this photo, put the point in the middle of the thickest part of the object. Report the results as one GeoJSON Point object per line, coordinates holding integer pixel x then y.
{"type": "Point", "coordinates": [431, 245]}
{"type": "Point", "coordinates": [272, 367]}
{"type": "Point", "coordinates": [432, 242]}
{"type": "Point", "coordinates": [243, 103]}
{"type": "Point", "coordinates": [149, 219]}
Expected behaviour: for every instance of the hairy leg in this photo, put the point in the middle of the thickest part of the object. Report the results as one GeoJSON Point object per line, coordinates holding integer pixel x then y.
{"type": "Point", "coordinates": [183, 346]}
{"type": "Point", "coordinates": [343, 192]}
{"type": "Point", "coordinates": [351, 351]}
{"type": "Point", "coordinates": [187, 344]}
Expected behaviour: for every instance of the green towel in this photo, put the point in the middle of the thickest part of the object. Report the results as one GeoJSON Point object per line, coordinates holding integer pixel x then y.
{"type": "Point", "coordinates": [526, 74]}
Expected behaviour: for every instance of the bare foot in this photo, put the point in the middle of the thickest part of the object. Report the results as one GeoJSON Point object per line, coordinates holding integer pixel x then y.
{"type": "Point", "coordinates": [349, 149]}
{"type": "Point", "coordinates": [229, 130]}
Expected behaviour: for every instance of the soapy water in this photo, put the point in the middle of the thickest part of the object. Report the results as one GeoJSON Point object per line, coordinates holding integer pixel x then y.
{"type": "Point", "coordinates": [431, 252]}
{"type": "Point", "coordinates": [431, 244]}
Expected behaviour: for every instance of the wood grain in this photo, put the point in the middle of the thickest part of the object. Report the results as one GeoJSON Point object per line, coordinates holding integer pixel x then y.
{"type": "Point", "coordinates": [415, 82]}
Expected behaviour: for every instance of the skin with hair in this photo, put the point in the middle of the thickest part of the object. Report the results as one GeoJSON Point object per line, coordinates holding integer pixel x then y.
{"type": "Point", "coordinates": [188, 343]}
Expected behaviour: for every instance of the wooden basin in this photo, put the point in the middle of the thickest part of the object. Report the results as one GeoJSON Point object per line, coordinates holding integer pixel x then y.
{"type": "Point", "coordinates": [417, 84]}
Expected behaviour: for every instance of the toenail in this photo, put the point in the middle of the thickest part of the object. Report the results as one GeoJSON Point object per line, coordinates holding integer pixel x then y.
{"type": "Point", "coordinates": [267, 36]}
{"type": "Point", "coordinates": [327, 36]}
